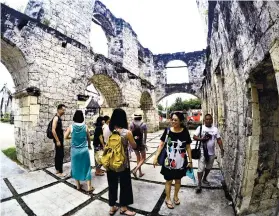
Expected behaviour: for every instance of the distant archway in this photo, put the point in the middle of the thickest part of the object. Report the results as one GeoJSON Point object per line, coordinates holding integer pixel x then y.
{"type": "Point", "coordinates": [109, 89]}
{"type": "Point", "coordinates": [146, 102]}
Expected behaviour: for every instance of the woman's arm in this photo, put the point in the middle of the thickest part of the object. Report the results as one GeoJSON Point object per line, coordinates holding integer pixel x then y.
{"type": "Point", "coordinates": [131, 140]}
{"type": "Point", "coordinates": [67, 133]}
{"type": "Point", "coordinates": [101, 138]}
{"type": "Point", "coordinates": [88, 138]}
{"type": "Point", "coordinates": [189, 151]}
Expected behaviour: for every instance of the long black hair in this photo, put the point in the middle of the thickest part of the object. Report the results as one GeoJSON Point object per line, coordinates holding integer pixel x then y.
{"type": "Point", "coordinates": [99, 121]}
{"type": "Point", "coordinates": [181, 118]}
{"type": "Point", "coordinates": [118, 119]}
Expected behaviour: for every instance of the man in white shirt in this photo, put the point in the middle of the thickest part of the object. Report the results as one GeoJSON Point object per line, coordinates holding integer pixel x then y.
{"type": "Point", "coordinates": [207, 137]}
{"type": "Point", "coordinates": [106, 130]}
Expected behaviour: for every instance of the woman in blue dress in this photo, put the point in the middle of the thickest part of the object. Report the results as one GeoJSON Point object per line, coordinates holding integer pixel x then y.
{"type": "Point", "coordinates": [80, 159]}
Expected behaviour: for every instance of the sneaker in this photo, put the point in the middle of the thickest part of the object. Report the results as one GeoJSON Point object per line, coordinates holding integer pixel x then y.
{"type": "Point", "coordinates": [205, 182]}
{"type": "Point", "coordinates": [198, 189]}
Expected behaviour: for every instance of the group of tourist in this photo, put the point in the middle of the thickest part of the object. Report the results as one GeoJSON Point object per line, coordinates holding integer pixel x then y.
{"type": "Point", "coordinates": [175, 141]}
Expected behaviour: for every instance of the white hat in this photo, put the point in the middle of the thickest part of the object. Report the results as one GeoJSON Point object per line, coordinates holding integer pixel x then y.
{"type": "Point", "coordinates": [137, 114]}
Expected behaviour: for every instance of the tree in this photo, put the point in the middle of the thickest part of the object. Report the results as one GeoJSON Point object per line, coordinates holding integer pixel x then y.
{"type": "Point", "coordinates": [160, 109]}
{"type": "Point", "coordinates": [180, 105]}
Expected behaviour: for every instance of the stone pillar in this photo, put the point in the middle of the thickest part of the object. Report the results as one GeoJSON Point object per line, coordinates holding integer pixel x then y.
{"type": "Point", "coordinates": [26, 117]}
{"type": "Point", "coordinates": [274, 54]}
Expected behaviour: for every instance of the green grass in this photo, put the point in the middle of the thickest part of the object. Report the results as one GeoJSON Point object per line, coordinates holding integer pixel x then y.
{"type": "Point", "coordinates": [11, 153]}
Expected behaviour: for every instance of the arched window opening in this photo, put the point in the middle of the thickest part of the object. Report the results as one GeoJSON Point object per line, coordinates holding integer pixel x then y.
{"type": "Point", "coordinates": [177, 72]}
{"type": "Point", "coordinates": [98, 39]}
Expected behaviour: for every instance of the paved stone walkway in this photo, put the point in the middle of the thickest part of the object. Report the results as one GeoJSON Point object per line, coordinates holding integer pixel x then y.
{"type": "Point", "coordinates": [42, 193]}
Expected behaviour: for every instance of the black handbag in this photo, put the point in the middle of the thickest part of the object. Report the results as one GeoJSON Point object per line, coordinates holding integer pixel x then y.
{"type": "Point", "coordinates": [196, 152]}
{"type": "Point", "coordinates": [162, 156]}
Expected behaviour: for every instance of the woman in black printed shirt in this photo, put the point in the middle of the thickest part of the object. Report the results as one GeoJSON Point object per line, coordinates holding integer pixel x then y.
{"type": "Point", "coordinates": [177, 144]}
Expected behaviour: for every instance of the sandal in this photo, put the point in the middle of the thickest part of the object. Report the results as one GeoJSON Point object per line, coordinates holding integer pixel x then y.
{"type": "Point", "coordinates": [112, 212]}
{"type": "Point", "coordinates": [125, 212]}
{"type": "Point", "coordinates": [135, 175]}
{"type": "Point", "coordinates": [176, 202]}
{"type": "Point", "coordinates": [90, 191]}
{"type": "Point", "coordinates": [141, 175]}
{"type": "Point", "coordinates": [169, 205]}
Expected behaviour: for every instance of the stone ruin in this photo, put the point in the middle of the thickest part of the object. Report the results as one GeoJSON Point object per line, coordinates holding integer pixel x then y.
{"type": "Point", "coordinates": [48, 54]}
{"type": "Point", "coordinates": [240, 89]}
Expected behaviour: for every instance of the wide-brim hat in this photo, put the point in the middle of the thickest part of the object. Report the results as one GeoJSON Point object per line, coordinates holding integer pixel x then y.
{"type": "Point", "coordinates": [137, 114]}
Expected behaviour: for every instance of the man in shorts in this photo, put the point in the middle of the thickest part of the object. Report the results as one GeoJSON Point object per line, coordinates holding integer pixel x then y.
{"type": "Point", "coordinates": [207, 137]}
{"type": "Point", "coordinates": [139, 131]}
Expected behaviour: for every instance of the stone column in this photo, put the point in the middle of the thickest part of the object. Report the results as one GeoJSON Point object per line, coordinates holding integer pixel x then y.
{"type": "Point", "coordinates": [26, 117]}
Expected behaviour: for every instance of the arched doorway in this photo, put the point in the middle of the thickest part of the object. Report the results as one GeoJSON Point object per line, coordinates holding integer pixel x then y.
{"type": "Point", "coordinates": [13, 60]}
{"type": "Point", "coordinates": [261, 173]}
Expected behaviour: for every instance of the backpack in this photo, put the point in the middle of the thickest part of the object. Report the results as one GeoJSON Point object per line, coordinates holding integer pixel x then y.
{"type": "Point", "coordinates": [114, 155]}
{"type": "Point", "coordinates": [49, 130]}
{"type": "Point", "coordinates": [137, 133]}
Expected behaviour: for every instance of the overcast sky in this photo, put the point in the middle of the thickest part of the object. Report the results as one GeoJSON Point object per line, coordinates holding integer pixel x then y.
{"type": "Point", "coordinates": [163, 26]}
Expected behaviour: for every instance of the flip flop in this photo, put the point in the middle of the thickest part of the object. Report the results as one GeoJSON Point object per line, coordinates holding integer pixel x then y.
{"type": "Point", "coordinates": [141, 175]}
{"type": "Point", "coordinates": [124, 213]}
{"type": "Point", "coordinates": [169, 205]}
{"type": "Point", "coordinates": [114, 211]}
{"type": "Point", "coordinates": [176, 202]}
{"type": "Point", "coordinates": [135, 175]}
{"type": "Point", "coordinates": [90, 191]}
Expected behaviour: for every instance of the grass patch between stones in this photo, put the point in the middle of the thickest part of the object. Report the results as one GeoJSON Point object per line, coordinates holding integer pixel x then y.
{"type": "Point", "coordinates": [11, 153]}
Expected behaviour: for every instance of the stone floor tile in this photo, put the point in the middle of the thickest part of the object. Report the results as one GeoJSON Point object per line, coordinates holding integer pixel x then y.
{"type": "Point", "coordinates": [5, 191]}
{"type": "Point", "coordinates": [142, 197]}
{"type": "Point", "coordinates": [11, 208]}
{"type": "Point", "coordinates": [151, 173]}
{"type": "Point", "coordinates": [58, 198]}
{"type": "Point", "coordinates": [29, 181]}
{"type": "Point", "coordinates": [152, 144]}
{"type": "Point", "coordinates": [98, 182]}
{"type": "Point", "coordinates": [96, 208]}
{"type": "Point", "coordinates": [202, 204]}
{"type": "Point", "coordinates": [66, 170]}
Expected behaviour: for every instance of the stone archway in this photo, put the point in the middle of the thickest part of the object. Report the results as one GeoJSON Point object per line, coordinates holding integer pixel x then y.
{"type": "Point", "coordinates": [26, 107]}
{"type": "Point", "coordinates": [110, 90]}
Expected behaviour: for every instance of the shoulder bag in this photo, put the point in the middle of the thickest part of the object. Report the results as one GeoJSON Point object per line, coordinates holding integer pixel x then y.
{"type": "Point", "coordinates": [162, 156]}
{"type": "Point", "coordinates": [196, 152]}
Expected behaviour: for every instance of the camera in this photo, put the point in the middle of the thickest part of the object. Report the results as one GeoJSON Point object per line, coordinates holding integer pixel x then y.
{"type": "Point", "coordinates": [207, 135]}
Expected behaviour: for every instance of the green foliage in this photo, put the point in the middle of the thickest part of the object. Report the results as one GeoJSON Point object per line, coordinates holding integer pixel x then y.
{"type": "Point", "coordinates": [185, 105]}
{"type": "Point", "coordinates": [160, 109]}
{"type": "Point", "coordinates": [6, 117]}
{"type": "Point", "coordinates": [11, 153]}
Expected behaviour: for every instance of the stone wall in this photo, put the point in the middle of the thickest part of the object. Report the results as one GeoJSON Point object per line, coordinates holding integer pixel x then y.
{"type": "Point", "coordinates": [240, 91]}
{"type": "Point", "coordinates": [64, 16]}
